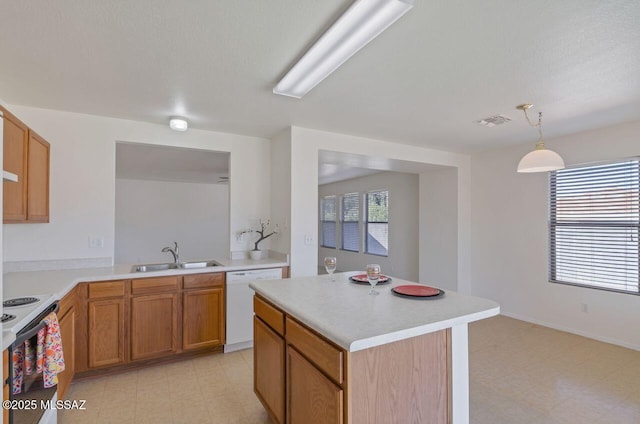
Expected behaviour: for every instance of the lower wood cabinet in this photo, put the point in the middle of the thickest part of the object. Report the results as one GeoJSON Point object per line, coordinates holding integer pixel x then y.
{"type": "Point", "coordinates": [119, 323]}
{"type": "Point", "coordinates": [154, 325]}
{"type": "Point", "coordinates": [268, 369]}
{"type": "Point", "coordinates": [106, 332]}
{"type": "Point", "coordinates": [311, 397]}
{"type": "Point", "coordinates": [203, 318]}
{"type": "Point", "coordinates": [67, 322]}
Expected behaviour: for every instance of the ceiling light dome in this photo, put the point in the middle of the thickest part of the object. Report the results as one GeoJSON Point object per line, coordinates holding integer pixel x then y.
{"type": "Point", "coordinates": [177, 123]}
{"type": "Point", "coordinates": [540, 160]}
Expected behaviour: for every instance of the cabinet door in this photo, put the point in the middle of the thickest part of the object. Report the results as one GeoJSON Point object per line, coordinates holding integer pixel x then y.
{"type": "Point", "coordinates": [106, 332]}
{"type": "Point", "coordinates": [154, 325]}
{"type": "Point", "coordinates": [16, 139]}
{"type": "Point", "coordinates": [67, 333]}
{"type": "Point", "coordinates": [38, 179]}
{"type": "Point", "coordinates": [311, 397]}
{"type": "Point", "coordinates": [202, 318]}
{"type": "Point", "coordinates": [268, 364]}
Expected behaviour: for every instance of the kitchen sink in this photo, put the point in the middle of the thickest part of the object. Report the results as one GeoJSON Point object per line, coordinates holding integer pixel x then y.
{"type": "Point", "coordinates": [198, 264]}
{"type": "Point", "coordinates": [154, 267]}
{"type": "Point", "coordinates": [172, 265]}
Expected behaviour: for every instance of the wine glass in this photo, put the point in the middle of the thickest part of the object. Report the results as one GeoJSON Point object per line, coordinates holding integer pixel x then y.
{"type": "Point", "coordinates": [373, 275]}
{"type": "Point", "coordinates": [330, 263]}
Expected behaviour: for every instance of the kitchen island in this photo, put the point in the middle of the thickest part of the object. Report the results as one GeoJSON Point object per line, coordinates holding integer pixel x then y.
{"type": "Point", "coordinates": [328, 352]}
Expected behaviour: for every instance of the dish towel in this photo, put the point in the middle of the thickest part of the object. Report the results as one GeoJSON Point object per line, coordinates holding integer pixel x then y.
{"type": "Point", "coordinates": [50, 358]}
{"type": "Point", "coordinates": [17, 362]}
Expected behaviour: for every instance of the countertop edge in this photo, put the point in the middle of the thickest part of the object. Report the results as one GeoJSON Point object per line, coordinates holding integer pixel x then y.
{"type": "Point", "coordinates": [419, 331]}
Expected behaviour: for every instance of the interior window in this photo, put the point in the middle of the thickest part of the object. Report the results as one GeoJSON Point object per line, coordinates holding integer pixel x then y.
{"type": "Point", "coordinates": [593, 226]}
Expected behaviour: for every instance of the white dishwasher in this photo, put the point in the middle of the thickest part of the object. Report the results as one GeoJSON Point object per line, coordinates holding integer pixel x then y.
{"type": "Point", "coordinates": [240, 305]}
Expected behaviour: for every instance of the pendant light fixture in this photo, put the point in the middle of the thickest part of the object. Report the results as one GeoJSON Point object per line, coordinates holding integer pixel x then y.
{"type": "Point", "coordinates": [541, 159]}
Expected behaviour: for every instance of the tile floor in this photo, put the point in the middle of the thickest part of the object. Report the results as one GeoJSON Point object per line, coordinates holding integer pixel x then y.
{"type": "Point", "coordinates": [520, 374]}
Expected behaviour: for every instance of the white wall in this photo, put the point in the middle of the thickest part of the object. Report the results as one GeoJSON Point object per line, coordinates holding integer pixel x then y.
{"type": "Point", "coordinates": [510, 235]}
{"type": "Point", "coordinates": [153, 214]}
{"type": "Point", "coordinates": [439, 227]}
{"type": "Point", "coordinates": [281, 190]}
{"type": "Point", "coordinates": [82, 194]}
{"type": "Point", "coordinates": [402, 261]}
{"type": "Point", "coordinates": [305, 144]}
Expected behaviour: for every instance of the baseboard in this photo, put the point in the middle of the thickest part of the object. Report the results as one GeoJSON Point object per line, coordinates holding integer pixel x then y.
{"type": "Point", "coordinates": [238, 346]}
{"type": "Point", "coordinates": [571, 330]}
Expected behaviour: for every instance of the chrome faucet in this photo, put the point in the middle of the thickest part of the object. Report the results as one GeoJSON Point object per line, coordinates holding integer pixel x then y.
{"type": "Point", "coordinates": [174, 251]}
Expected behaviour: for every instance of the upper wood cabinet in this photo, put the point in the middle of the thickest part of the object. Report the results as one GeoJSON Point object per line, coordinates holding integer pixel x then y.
{"type": "Point", "coordinates": [15, 153]}
{"type": "Point", "coordinates": [37, 179]}
{"type": "Point", "coordinates": [27, 155]}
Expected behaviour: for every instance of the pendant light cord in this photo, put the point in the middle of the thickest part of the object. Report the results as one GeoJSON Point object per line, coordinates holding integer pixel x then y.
{"type": "Point", "coordinates": [540, 143]}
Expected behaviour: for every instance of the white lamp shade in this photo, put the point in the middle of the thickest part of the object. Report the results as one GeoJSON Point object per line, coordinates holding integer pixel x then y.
{"type": "Point", "coordinates": [178, 124]}
{"type": "Point", "coordinates": [540, 160]}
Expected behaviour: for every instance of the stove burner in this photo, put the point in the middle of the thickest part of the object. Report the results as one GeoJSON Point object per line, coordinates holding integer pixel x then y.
{"type": "Point", "coordinates": [7, 317]}
{"type": "Point", "coordinates": [19, 301]}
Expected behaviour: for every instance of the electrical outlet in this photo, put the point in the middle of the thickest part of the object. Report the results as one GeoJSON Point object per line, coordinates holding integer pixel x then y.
{"type": "Point", "coordinates": [308, 240]}
{"type": "Point", "coordinates": [96, 241]}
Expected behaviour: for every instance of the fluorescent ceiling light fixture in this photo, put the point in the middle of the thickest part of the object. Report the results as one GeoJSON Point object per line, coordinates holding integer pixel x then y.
{"type": "Point", "coordinates": [178, 124]}
{"type": "Point", "coordinates": [360, 24]}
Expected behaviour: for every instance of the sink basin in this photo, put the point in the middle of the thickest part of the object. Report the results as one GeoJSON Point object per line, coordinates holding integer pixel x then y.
{"type": "Point", "coordinates": [198, 264]}
{"type": "Point", "coordinates": [153, 267]}
{"type": "Point", "coordinates": [171, 265]}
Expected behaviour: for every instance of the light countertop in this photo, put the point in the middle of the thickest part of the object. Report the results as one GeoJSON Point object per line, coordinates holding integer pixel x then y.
{"type": "Point", "coordinates": [346, 314]}
{"type": "Point", "coordinates": [60, 282]}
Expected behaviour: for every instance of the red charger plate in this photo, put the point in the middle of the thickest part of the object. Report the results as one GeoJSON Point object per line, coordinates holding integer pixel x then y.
{"type": "Point", "coordinates": [362, 278]}
{"type": "Point", "coordinates": [415, 290]}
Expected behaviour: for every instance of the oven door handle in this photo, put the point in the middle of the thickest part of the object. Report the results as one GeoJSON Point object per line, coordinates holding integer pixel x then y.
{"type": "Point", "coordinates": [21, 337]}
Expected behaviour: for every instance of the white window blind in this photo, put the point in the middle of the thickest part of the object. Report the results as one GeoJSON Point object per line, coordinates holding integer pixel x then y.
{"type": "Point", "coordinates": [377, 223]}
{"type": "Point", "coordinates": [328, 221]}
{"type": "Point", "coordinates": [351, 222]}
{"type": "Point", "coordinates": [593, 226]}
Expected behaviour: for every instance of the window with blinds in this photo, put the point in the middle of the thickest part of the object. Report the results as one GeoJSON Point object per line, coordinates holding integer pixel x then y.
{"type": "Point", "coordinates": [377, 223]}
{"type": "Point", "coordinates": [593, 226]}
{"type": "Point", "coordinates": [350, 222]}
{"type": "Point", "coordinates": [328, 221]}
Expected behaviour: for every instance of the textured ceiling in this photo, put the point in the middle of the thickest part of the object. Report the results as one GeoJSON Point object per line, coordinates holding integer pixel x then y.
{"type": "Point", "coordinates": [422, 82]}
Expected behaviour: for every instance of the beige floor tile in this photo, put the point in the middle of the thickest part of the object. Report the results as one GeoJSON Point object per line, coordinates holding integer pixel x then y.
{"type": "Point", "coordinates": [519, 373]}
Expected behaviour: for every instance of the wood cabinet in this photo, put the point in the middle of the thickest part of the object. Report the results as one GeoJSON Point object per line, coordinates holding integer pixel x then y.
{"type": "Point", "coordinates": [154, 325]}
{"type": "Point", "coordinates": [106, 324]}
{"type": "Point", "coordinates": [27, 155]}
{"type": "Point", "coordinates": [15, 151]}
{"type": "Point", "coordinates": [269, 369]}
{"type": "Point", "coordinates": [146, 320]}
{"type": "Point", "coordinates": [203, 305]}
{"type": "Point", "coordinates": [67, 321]}
{"type": "Point", "coordinates": [37, 179]}
{"type": "Point", "coordinates": [312, 398]}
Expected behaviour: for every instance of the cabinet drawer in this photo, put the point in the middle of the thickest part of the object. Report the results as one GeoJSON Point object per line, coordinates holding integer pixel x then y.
{"type": "Point", "coordinates": [106, 289]}
{"type": "Point", "coordinates": [154, 285]}
{"type": "Point", "coordinates": [324, 355]}
{"type": "Point", "coordinates": [269, 314]}
{"type": "Point", "coordinates": [67, 302]}
{"type": "Point", "coordinates": [203, 281]}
